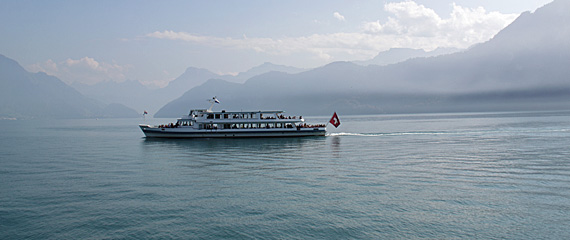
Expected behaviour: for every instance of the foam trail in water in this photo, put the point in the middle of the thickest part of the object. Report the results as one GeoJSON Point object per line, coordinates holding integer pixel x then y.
{"type": "Point", "coordinates": [355, 134]}
{"type": "Point", "coordinates": [449, 132]}
{"type": "Point", "coordinates": [384, 134]}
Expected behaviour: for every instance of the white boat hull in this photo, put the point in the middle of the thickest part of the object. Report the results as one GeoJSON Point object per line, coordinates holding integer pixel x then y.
{"type": "Point", "coordinates": [186, 132]}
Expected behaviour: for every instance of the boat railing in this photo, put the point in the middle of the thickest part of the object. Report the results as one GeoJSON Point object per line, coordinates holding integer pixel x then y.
{"type": "Point", "coordinates": [304, 125]}
{"type": "Point", "coordinates": [169, 125]}
{"type": "Point", "coordinates": [281, 117]}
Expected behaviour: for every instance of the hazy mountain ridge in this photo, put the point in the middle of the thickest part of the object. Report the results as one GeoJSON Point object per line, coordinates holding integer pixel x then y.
{"type": "Point", "coordinates": [397, 55]}
{"type": "Point", "coordinates": [261, 69]}
{"type": "Point", "coordinates": [129, 93]}
{"type": "Point", "coordinates": [38, 95]}
{"type": "Point", "coordinates": [528, 58]}
{"type": "Point", "coordinates": [137, 96]}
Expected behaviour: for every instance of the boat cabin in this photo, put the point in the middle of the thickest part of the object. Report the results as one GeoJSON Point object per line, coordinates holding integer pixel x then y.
{"type": "Point", "coordinates": [204, 119]}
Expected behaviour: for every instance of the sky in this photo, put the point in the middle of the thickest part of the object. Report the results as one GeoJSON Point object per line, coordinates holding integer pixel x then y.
{"type": "Point", "coordinates": [155, 41]}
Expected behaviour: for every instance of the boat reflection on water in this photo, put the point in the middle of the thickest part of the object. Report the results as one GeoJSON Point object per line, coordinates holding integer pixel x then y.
{"type": "Point", "coordinates": [223, 156]}
{"type": "Point", "coordinates": [223, 146]}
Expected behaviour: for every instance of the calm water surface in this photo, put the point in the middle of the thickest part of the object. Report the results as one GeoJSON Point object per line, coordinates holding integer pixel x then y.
{"type": "Point", "coordinates": [434, 176]}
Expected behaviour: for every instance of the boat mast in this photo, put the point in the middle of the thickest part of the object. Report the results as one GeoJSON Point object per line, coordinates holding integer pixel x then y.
{"type": "Point", "coordinates": [213, 101]}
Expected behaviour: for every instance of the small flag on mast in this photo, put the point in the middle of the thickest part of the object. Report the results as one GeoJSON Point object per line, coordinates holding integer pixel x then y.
{"type": "Point", "coordinates": [335, 121]}
{"type": "Point", "coordinates": [145, 113]}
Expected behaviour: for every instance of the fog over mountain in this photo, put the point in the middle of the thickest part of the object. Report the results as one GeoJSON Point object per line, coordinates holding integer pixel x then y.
{"type": "Point", "coordinates": [130, 93]}
{"type": "Point", "coordinates": [397, 55]}
{"type": "Point", "coordinates": [38, 95]}
{"type": "Point", "coordinates": [261, 69]}
{"type": "Point", "coordinates": [135, 95]}
{"type": "Point", "coordinates": [524, 67]}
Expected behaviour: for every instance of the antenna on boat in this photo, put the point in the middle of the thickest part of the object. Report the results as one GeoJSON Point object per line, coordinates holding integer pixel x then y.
{"type": "Point", "coordinates": [213, 101]}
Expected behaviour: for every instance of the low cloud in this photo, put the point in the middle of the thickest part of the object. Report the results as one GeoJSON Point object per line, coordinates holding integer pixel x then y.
{"type": "Point", "coordinates": [462, 29]}
{"type": "Point", "coordinates": [338, 16]}
{"type": "Point", "coordinates": [85, 70]}
{"type": "Point", "coordinates": [411, 26]}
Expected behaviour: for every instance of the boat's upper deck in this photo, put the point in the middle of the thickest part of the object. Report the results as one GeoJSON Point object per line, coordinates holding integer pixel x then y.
{"type": "Point", "coordinates": [205, 116]}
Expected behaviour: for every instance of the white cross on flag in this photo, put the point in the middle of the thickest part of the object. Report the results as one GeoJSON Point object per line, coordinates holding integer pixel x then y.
{"type": "Point", "coordinates": [334, 120]}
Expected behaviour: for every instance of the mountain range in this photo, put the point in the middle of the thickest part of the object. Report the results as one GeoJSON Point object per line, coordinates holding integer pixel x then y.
{"type": "Point", "coordinates": [38, 95]}
{"type": "Point", "coordinates": [524, 67]}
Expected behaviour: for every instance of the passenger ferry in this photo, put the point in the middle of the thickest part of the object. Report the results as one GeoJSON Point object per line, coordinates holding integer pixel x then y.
{"type": "Point", "coordinates": [202, 123]}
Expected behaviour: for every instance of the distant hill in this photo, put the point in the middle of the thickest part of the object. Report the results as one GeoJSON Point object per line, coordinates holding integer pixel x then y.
{"type": "Point", "coordinates": [261, 69]}
{"type": "Point", "coordinates": [194, 77]}
{"type": "Point", "coordinates": [38, 95]}
{"type": "Point", "coordinates": [524, 67]}
{"type": "Point", "coordinates": [129, 93]}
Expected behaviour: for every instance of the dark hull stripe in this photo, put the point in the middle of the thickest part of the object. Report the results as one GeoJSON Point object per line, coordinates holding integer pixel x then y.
{"type": "Point", "coordinates": [229, 134]}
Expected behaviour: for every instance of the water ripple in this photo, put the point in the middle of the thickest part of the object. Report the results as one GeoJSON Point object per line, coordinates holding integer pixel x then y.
{"type": "Point", "coordinates": [383, 177]}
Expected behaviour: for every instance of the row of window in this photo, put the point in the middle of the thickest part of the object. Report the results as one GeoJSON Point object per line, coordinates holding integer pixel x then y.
{"type": "Point", "coordinates": [185, 123]}
{"type": "Point", "coordinates": [246, 125]}
{"type": "Point", "coordinates": [233, 116]}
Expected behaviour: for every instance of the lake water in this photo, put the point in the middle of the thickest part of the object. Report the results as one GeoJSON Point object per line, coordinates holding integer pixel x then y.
{"type": "Point", "coordinates": [434, 176]}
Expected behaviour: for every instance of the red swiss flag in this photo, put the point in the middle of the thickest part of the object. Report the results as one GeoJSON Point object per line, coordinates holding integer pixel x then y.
{"type": "Point", "coordinates": [334, 120]}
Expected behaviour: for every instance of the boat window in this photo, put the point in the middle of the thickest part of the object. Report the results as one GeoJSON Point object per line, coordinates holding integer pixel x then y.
{"type": "Point", "coordinates": [210, 116]}
{"type": "Point", "coordinates": [211, 126]}
{"type": "Point", "coordinates": [186, 123]}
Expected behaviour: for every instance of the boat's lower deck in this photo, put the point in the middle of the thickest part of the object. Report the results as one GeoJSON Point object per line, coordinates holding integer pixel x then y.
{"type": "Point", "coordinates": [229, 133]}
